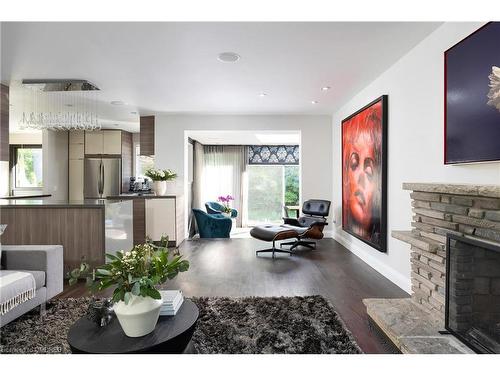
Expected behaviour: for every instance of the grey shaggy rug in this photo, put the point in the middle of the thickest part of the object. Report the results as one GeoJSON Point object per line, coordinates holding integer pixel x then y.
{"type": "Point", "coordinates": [226, 325]}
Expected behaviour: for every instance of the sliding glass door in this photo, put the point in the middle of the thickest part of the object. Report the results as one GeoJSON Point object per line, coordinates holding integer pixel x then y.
{"type": "Point", "coordinates": [270, 188]}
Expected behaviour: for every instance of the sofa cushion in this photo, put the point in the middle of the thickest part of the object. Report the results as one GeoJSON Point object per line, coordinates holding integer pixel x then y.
{"type": "Point", "coordinates": [39, 277]}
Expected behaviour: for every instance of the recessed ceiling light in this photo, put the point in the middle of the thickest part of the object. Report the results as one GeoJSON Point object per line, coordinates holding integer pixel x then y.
{"type": "Point", "coordinates": [325, 88]}
{"type": "Point", "coordinates": [314, 102]}
{"type": "Point", "coordinates": [228, 57]}
{"type": "Point", "coordinates": [262, 94]}
{"type": "Point", "coordinates": [117, 102]}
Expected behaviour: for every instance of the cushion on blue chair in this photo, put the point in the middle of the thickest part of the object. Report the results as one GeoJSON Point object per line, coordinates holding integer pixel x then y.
{"type": "Point", "coordinates": [212, 225]}
{"type": "Point", "coordinates": [217, 208]}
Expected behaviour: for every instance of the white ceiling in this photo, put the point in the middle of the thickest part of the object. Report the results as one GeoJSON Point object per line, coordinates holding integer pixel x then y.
{"type": "Point", "coordinates": [173, 67]}
{"type": "Point", "coordinates": [242, 137]}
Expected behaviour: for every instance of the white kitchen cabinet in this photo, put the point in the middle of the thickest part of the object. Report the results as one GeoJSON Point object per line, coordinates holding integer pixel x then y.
{"type": "Point", "coordinates": [76, 151]}
{"type": "Point", "coordinates": [104, 142]}
{"type": "Point", "coordinates": [93, 142]}
{"type": "Point", "coordinates": [161, 218]}
{"type": "Point", "coordinates": [76, 179]}
{"type": "Point", "coordinates": [76, 154]}
{"type": "Point", "coordinates": [77, 136]}
{"type": "Point", "coordinates": [112, 142]}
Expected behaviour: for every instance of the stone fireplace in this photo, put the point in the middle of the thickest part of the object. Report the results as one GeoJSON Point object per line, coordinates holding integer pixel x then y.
{"type": "Point", "coordinates": [466, 211]}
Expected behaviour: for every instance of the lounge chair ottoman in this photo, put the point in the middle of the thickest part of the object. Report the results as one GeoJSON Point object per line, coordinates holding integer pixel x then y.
{"type": "Point", "coordinates": [273, 233]}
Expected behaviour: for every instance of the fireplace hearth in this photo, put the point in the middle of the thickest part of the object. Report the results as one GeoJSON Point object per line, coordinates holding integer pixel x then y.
{"type": "Point", "coordinates": [470, 213]}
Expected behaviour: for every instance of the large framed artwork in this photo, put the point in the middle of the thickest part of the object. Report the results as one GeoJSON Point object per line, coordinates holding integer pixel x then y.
{"type": "Point", "coordinates": [364, 174]}
{"type": "Point", "coordinates": [472, 97]}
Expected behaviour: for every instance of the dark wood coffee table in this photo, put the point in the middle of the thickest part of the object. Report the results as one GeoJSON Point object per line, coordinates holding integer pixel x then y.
{"type": "Point", "coordinates": [171, 335]}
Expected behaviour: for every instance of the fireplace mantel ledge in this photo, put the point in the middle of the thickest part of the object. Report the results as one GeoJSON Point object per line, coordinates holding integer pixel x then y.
{"type": "Point", "coordinates": [423, 243]}
{"type": "Point", "coordinates": [491, 191]}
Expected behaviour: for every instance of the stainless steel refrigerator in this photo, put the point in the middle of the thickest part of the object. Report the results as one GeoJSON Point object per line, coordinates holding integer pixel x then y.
{"type": "Point", "coordinates": [102, 177]}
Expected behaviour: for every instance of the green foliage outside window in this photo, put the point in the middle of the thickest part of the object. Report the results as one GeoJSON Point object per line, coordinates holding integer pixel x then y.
{"type": "Point", "coordinates": [269, 188]}
{"type": "Point", "coordinates": [291, 185]}
{"type": "Point", "coordinates": [28, 167]}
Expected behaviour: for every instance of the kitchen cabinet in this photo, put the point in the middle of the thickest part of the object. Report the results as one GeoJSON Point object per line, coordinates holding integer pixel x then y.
{"type": "Point", "coordinates": [104, 142]}
{"type": "Point", "coordinates": [147, 135]}
{"type": "Point", "coordinates": [77, 137]}
{"type": "Point", "coordinates": [76, 151]}
{"type": "Point", "coordinates": [76, 155]}
{"type": "Point", "coordinates": [93, 143]}
{"type": "Point", "coordinates": [76, 179]}
{"type": "Point", "coordinates": [160, 218]}
{"type": "Point", "coordinates": [112, 142]}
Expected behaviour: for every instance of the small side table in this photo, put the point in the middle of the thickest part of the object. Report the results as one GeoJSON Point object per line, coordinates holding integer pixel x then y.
{"type": "Point", "coordinates": [171, 335]}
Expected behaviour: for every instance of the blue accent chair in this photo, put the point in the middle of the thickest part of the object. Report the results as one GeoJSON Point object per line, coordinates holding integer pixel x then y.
{"type": "Point", "coordinates": [212, 225]}
{"type": "Point", "coordinates": [217, 208]}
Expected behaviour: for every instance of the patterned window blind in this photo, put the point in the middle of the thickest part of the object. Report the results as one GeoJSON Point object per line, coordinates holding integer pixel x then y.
{"type": "Point", "coordinates": [285, 155]}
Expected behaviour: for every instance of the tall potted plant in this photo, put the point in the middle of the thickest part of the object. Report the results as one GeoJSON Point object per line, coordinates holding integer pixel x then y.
{"type": "Point", "coordinates": [134, 275]}
{"type": "Point", "coordinates": [163, 180]}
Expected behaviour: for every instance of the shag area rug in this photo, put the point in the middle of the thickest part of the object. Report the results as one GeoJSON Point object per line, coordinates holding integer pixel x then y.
{"type": "Point", "coordinates": [226, 325]}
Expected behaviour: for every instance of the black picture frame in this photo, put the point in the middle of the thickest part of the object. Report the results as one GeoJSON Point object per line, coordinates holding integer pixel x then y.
{"type": "Point", "coordinates": [381, 244]}
{"type": "Point", "coordinates": [470, 124]}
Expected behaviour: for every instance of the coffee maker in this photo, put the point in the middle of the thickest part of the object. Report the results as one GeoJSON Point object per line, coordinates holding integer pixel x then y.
{"type": "Point", "coordinates": [139, 185]}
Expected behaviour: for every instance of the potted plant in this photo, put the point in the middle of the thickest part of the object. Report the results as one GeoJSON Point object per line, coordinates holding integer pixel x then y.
{"type": "Point", "coordinates": [226, 208]}
{"type": "Point", "coordinates": [163, 180]}
{"type": "Point", "coordinates": [134, 275]}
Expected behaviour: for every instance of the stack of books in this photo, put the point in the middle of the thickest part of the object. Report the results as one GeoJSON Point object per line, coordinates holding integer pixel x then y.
{"type": "Point", "coordinates": [172, 301]}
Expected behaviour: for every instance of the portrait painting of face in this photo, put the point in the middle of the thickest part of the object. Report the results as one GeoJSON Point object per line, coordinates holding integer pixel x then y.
{"type": "Point", "coordinates": [364, 173]}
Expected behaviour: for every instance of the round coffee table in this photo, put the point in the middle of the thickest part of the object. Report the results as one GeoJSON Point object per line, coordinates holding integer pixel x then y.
{"type": "Point", "coordinates": [171, 335]}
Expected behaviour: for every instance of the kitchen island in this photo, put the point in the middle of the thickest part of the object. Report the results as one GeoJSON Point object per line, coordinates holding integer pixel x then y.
{"type": "Point", "coordinates": [155, 216]}
{"type": "Point", "coordinates": [86, 229]}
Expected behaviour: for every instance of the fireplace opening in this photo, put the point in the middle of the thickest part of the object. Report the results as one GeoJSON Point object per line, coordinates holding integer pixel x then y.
{"type": "Point", "coordinates": [472, 304]}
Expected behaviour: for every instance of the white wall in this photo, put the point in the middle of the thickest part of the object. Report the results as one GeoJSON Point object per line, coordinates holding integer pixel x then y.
{"type": "Point", "coordinates": [415, 88]}
{"type": "Point", "coordinates": [316, 147]}
{"type": "Point", "coordinates": [55, 164]}
{"type": "Point", "coordinates": [34, 138]}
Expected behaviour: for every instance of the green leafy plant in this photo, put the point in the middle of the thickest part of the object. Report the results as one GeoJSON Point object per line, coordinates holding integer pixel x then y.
{"type": "Point", "coordinates": [134, 273]}
{"type": "Point", "coordinates": [161, 174]}
{"type": "Point", "coordinates": [84, 271]}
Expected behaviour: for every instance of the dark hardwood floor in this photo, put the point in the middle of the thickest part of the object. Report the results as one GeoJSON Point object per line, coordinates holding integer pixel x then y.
{"type": "Point", "coordinates": [229, 267]}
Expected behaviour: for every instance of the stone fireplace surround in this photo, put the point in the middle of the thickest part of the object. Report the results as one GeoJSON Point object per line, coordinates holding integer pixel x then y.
{"type": "Point", "coordinates": [473, 211]}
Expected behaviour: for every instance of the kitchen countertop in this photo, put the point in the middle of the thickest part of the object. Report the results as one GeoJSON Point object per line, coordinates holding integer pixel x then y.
{"type": "Point", "coordinates": [48, 202]}
{"type": "Point", "coordinates": [27, 196]}
{"type": "Point", "coordinates": [140, 196]}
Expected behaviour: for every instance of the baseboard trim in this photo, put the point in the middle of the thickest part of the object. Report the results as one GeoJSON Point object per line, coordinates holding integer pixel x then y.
{"type": "Point", "coordinates": [388, 272]}
{"type": "Point", "coordinates": [328, 233]}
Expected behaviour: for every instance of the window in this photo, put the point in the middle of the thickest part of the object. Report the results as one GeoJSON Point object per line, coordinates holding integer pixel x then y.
{"type": "Point", "coordinates": [27, 167]}
{"type": "Point", "coordinates": [270, 187]}
{"type": "Point", "coordinates": [142, 163]}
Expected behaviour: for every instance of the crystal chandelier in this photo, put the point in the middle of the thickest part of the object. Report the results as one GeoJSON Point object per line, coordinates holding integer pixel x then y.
{"type": "Point", "coordinates": [59, 104]}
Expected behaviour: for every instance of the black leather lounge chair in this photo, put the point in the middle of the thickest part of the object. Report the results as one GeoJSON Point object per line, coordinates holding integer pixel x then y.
{"type": "Point", "coordinates": [308, 226]}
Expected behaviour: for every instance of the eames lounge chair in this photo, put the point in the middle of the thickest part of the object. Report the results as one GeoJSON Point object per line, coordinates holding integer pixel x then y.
{"type": "Point", "coordinates": [308, 226]}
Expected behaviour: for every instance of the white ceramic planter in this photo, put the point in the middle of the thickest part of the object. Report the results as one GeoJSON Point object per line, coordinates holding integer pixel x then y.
{"type": "Point", "coordinates": [139, 316]}
{"type": "Point", "coordinates": [227, 214]}
{"type": "Point", "coordinates": [160, 187]}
